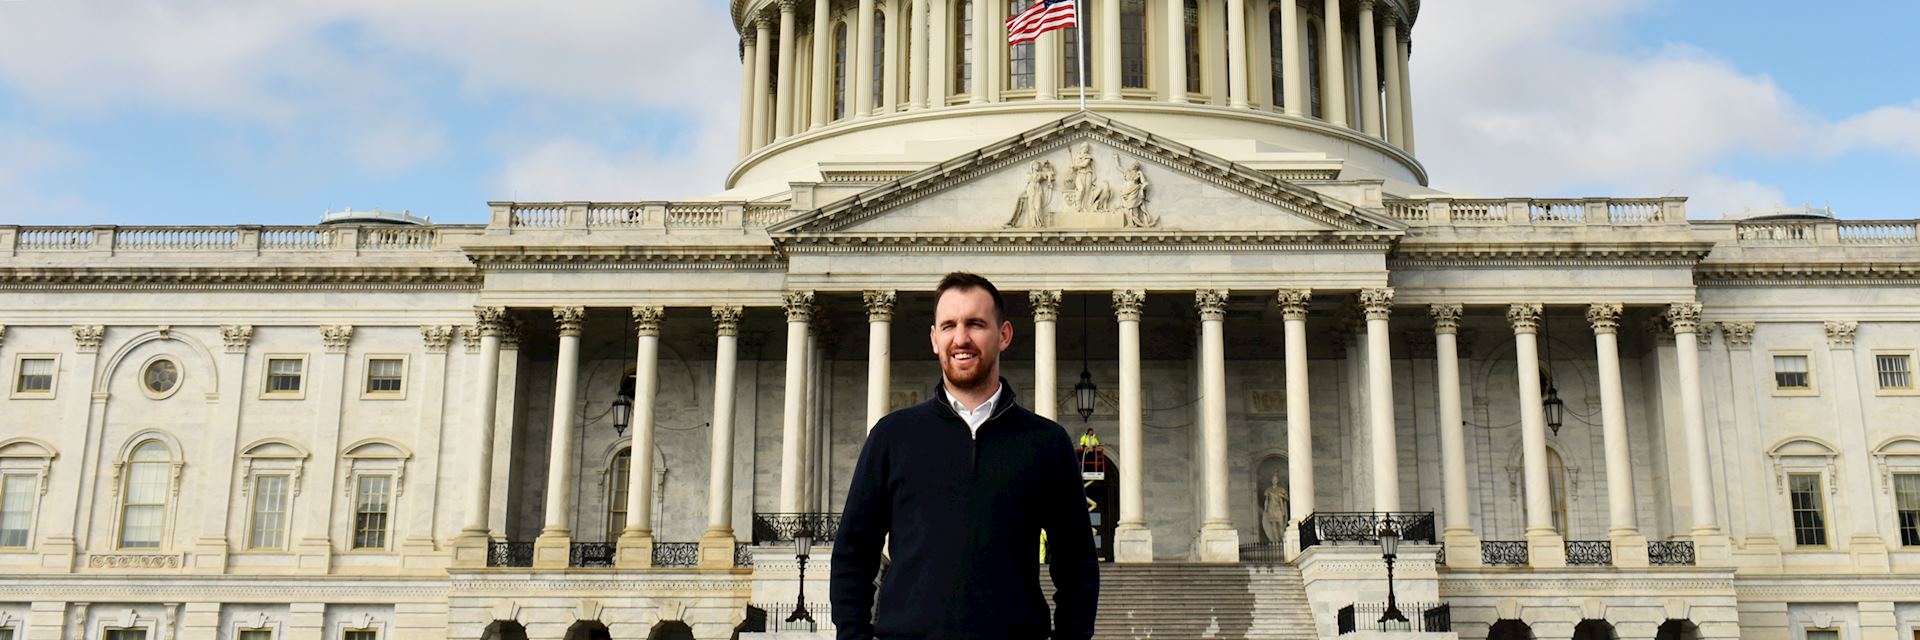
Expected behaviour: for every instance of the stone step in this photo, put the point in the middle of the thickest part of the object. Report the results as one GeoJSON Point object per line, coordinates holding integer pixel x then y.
{"type": "Point", "coordinates": [1191, 600]}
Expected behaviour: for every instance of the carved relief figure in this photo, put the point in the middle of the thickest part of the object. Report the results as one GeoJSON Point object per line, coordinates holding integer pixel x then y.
{"type": "Point", "coordinates": [1133, 195]}
{"type": "Point", "coordinates": [1273, 511]}
{"type": "Point", "coordinates": [1030, 211]}
{"type": "Point", "coordinates": [1085, 194]}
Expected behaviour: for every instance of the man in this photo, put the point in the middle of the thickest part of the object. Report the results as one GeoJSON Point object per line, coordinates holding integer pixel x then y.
{"type": "Point", "coordinates": [964, 483]}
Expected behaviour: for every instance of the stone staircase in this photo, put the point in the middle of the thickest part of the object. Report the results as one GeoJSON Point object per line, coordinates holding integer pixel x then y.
{"type": "Point", "coordinates": [1185, 601]}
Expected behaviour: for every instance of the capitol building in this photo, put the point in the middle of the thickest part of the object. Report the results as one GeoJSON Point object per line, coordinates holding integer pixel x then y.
{"type": "Point", "coordinates": [1588, 418]}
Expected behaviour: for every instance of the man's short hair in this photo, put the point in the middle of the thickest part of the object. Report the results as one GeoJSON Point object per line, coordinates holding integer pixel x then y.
{"type": "Point", "coordinates": [965, 281]}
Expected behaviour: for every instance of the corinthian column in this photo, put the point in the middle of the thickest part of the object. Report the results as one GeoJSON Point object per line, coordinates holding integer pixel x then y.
{"type": "Point", "coordinates": [636, 541]}
{"type": "Point", "coordinates": [470, 548]}
{"type": "Point", "coordinates": [1133, 541]}
{"type": "Point", "coordinates": [747, 58]}
{"type": "Point", "coordinates": [917, 55]}
{"type": "Point", "coordinates": [762, 49]}
{"type": "Point", "coordinates": [1046, 363]}
{"type": "Point", "coordinates": [1109, 67]}
{"type": "Point", "coordinates": [822, 63]}
{"type": "Point", "coordinates": [716, 545]}
{"type": "Point", "coordinates": [879, 353]}
{"type": "Point", "coordinates": [1293, 76]}
{"type": "Point", "coordinates": [1369, 72]}
{"type": "Point", "coordinates": [1219, 541]}
{"type": "Point", "coordinates": [861, 75]}
{"type": "Point", "coordinates": [1176, 64]}
{"type": "Point", "coordinates": [1333, 73]}
{"type": "Point", "coordinates": [1711, 545]}
{"type": "Point", "coordinates": [1629, 547]}
{"type": "Point", "coordinates": [1293, 308]}
{"type": "Point", "coordinates": [556, 535]}
{"type": "Point", "coordinates": [1393, 119]}
{"type": "Point", "coordinates": [1237, 76]}
{"type": "Point", "coordinates": [784, 91]}
{"type": "Point", "coordinates": [1386, 461]}
{"type": "Point", "coordinates": [1463, 545]}
{"type": "Point", "coordinates": [799, 314]}
{"type": "Point", "coordinates": [1545, 547]}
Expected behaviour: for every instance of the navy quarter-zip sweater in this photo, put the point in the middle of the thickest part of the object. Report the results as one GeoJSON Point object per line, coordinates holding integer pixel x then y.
{"type": "Point", "coordinates": [965, 513]}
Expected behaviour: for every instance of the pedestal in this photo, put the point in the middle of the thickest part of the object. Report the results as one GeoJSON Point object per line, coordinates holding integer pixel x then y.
{"type": "Point", "coordinates": [552, 550]}
{"type": "Point", "coordinates": [470, 550]}
{"type": "Point", "coordinates": [1869, 554]}
{"type": "Point", "coordinates": [1546, 550]}
{"type": "Point", "coordinates": [716, 549]}
{"type": "Point", "coordinates": [1759, 553]}
{"type": "Point", "coordinates": [58, 555]}
{"type": "Point", "coordinates": [1132, 544]}
{"type": "Point", "coordinates": [209, 556]}
{"type": "Point", "coordinates": [1219, 543]}
{"type": "Point", "coordinates": [1716, 549]}
{"type": "Point", "coordinates": [1463, 549]}
{"type": "Point", "coordinates": [314, 555]}
{"type": "Point", "coordinates": [1629, 550]}
{"type": "Point", "coordinates": [635, 551]}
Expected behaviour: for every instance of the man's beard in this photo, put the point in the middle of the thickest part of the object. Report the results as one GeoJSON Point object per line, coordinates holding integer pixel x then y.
{"type": "Point", "coordinates": [979, 376]}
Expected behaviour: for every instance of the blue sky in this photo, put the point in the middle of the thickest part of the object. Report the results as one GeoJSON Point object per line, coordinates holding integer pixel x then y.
{"type": "Point", "coordinates": [214, 112]}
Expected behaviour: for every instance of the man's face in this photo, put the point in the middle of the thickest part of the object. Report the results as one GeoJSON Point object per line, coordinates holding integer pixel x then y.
{"type": "Point", "coordinates": [968, 339]}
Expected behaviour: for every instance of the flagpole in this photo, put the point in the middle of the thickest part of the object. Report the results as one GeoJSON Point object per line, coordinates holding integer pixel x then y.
{"type": "Point", "coordinates": [1080, 42]}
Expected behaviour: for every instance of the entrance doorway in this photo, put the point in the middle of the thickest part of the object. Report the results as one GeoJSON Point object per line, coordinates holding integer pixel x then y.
{"type": "Point", "coordinates": [504, 630]}
{"type": "Point", "coordinates": [588, 630]}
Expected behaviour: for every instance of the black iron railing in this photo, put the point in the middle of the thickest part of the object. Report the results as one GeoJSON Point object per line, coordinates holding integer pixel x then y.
{"type": "Point", "coordinates": [1421, 618]}
{"type": "Point", "coordinates": [1589, 553]}
{"type": "Point", "coordinates": [506, 553]}
{"type": "Point", "coordinates": [1263, 552]}
{"type": "Point", "coordinates": [773, 616]}
{"type": "Point", "coordinates": [1670, 553]}
{"type": "Point", "coordinates": [782, 527]}
{"type": "Point", "coordinates": [1503, 553]}
{"type": "Point", "coordinates": [742, 554]}
{"type": "Point", "coordinates": [591, 554]}
{"type": "Point", "coordinates": [1364, 527]}
{"type": "Point", "coordinates": [676, 554]}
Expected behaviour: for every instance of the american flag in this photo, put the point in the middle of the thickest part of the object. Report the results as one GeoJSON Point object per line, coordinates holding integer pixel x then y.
{"type": "Point", "coordinates": [1043, 16]}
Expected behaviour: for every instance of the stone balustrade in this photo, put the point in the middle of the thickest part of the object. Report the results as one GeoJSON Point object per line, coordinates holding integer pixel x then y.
{"type": "Point", "coordinates": [525, 216]}
{"type": "Point", "coordinates": [1869, 233]}
{"type": "Point", "coordinates": [241, 239]}
{"type": "Point", "coordinates": [1538, 212]}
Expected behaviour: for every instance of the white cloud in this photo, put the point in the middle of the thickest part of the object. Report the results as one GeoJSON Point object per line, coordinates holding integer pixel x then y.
{"type": "Point", "coordinates": [29, 160]}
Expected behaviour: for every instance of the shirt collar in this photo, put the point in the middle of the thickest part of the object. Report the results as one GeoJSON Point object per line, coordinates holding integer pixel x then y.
{"type": "Point", "coordinates": [961, 408]}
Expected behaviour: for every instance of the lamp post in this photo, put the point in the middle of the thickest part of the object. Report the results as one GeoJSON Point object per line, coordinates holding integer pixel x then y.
{"type": "Point", "coordinates": [802, 547]}
{"type": "Point", "coordinates": [1389, 548]}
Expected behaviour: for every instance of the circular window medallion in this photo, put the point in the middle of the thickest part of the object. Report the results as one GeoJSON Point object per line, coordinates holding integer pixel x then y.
{"type": "Point", "coordinates": [161, 378]}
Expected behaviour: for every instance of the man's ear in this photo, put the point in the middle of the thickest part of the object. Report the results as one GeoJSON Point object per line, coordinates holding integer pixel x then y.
{"type": "Point", "coordinates": [933, 339]}
{"type": "Point", "coordinates": [1006, 335]}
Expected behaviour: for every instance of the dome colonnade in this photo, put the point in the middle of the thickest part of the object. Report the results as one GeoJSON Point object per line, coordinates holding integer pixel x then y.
{"type": "Point", "coordinates": [818, 63]}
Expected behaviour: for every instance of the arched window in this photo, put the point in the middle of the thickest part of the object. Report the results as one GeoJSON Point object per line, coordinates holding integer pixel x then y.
{"type": "Point", "coordinates": [24, 464]}
{"type": "Point", "coordinates": [618, 481]}
{"type": "Point", "coordinates": [1277, 42]}
{"type": "Point", "coordinates": [840, 71]}
{"type": "Point", "coordinates": [963, 46]}
{"type": "Point", "coordinates": [143, 499]}
{"type": "Point", "coordinates": [1313, 69]}
{"type": "Point", "coordinates": [879, 58]}
{"type": "Point", "coordinates": [1193, 45]}
{"type": "Point", "coordinates": [1070, 46]}
{"type": "Point", "coordinates": [1133, 44]}
{"type": "Point", "coordinates": [1019, 56]}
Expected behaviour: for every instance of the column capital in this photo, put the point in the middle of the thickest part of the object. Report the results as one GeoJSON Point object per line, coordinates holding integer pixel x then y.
{"type": "Point", "coordinates": [1525, 317]}
{"type": "Point", "coordinates": [1739, 334]}
{"type": "Point", "coordinates": [1366, 5]}
{"type": "Point", "coordinates": [799, 306]}
{"type": "Point", "coordinates": [879, 304]}
{"type": "Point", "coordinates": [87, 337]}
{"type": "Point", "coordinates": [1378, 303]}
{"type": "Point", "coordinates": [726, 319]}
{"type": "Point", "coordinates": [788, 6]}
{"type": "Point", "coordinates": [1446, 317]}
{"type": "Point", "coordinates": [511, 334]}
{"type": "Point", "coordinates": [1127, 302]}
{"type": "Point", "coordinates": [436, 337]}
{"type": "Point", "coordinates": [336, 337]}
{"type": "Point", "coordinates": [570, 320]}
{"type": "Point", "coordinates": [1705, 333]}
{"type": "Point", "coordinates": [1840, 333]}
{"type": "Point", "coordinates": [470, 336]}
{"type": "Point", "coordinates": [237, 337]}
{"type": "Point", "coordinates": [491, 321]}
{"type": "Point", "coordinates": [763, 22]}
{"type": "Point", "coordinates": [1212, 304]}
{"type": "Point", "coordinates": [1046, 304]}
{"type": "Point", "coordinates": [1684, 316]}
{"type": "Point", "coordinates": [1660, 329]}
{"type": "Point", "coordinates": [646, 319]}
{"type": "Point", "coordinates": [1293, 303]}
{"type": "Point", "coordinates": [1605, 316]}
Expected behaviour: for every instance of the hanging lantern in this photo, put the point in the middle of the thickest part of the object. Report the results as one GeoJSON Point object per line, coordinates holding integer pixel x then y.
{"type": "Point", "coordinates": [1084, 395]}
{"type": "Point", "coordinates": [622, 413]}
{"type": "Point", "coordinates": [1555, 409]}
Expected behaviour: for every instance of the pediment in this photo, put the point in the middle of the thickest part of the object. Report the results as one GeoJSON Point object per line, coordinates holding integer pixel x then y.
{"type": "Point", "coordinates": [1087, 173]}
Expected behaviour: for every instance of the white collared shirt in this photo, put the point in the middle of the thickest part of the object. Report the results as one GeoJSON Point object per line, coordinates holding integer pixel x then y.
{"type": "Point", "coordinates": [976, 416]}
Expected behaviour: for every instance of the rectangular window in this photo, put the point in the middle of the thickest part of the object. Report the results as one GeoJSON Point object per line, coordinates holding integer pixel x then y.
{"type": "Point", "coordinates": [359, 634]}
{"type": "Point", "coordinates": [1192, 35]}
{"type": "Point", "coordinates": [269, 521]}
{"type": "Point", "coordinates": [146, 504]}
{"type": "Point", "coordinates": [6, 634]}
{"type": "Point", "coordinates": [1823, 634]}
{"type": "Point", "coordinates": [617, 501]}
{"type": "Point", "coordinates": [1896, 371]}
{"type": "Point", "coordinates": [126, 634]}
{"type": "Point", "coordinates": [16, 509]}
{"type": "Point", "coordinates": [1019, 56]}
{"type": "Point", "coordinates": [283, 374]}
{"type": "Point", "coordinates": [1906, 504]}
{"type": "Point", "coordinates": [1809, 512]}
{"type": "Point", "coordinates": [1070, 45]}
{"type": "Point", "coordinates": [256, 634]}
{"type": "Point", "coordinates": [1133, 44]}
{"type": "Point", "coordinates": [370, 512]}
{"type": "Point", "coordinates": [963, 40]}
{"type": "Point", "coordinates": [36, 376]}
{"type": "Point", "coordinates": [1790, 373]}
{"type": "Point", "coordinates": [384, 375]}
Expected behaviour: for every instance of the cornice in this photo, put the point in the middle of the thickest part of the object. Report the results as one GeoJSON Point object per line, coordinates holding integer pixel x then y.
{"type": "Point", "coordinates": [1092, 242]}
{"type": "Point", "coordinates": [628, 258]}
{"type": "Point", "coordinates": [377, 278]}
{"type": "Point", "coordinates": [1480, 255]}
{"type": "Point", "coordinates": [1756, 274]}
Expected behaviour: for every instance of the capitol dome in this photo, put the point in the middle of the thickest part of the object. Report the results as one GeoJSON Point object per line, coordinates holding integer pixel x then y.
{"type": "Point", "coordinates": [878, 85]}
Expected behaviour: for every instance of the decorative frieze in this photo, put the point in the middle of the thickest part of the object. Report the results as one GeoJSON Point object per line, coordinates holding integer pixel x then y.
{"type": "Point", "coordinates": [134, 561]}
{"type": "Point", "coordinates": [799, 306]}
{"type": "Point", "coordinates": [1605, 316]}
{"type": "Point", "coordinates": [1127, 303]}
{"type": "Point", "coordinates": [87, 337]}
{"type": "Point", "coordinates": [879, 304]}
{"type": "Point", "coordinates": [1046, 304]}
{"type": "Point", "coordinates": [1377, 303]}
{"type": "Point", "coordinates": [570, 321]}
{"type": "Point", "coordinates": [1840, 333]}
{"type": "Point", "coordinates": [1446, 317]}
{"type": "Point", "coordinates": [1211, 303]}
{"type": "Point", "coordinates": [1525, 317]}
{"type": "Point", "coordinates": [237, 337]}
{"type": "Point", "coordinates": [336, 337]}
{"type": "Point", "coordinates": [646, 319]}
{"type": "Point", "coordinates": [1293, 303]}
{"type": "Point", "coordinates": [726, 319]}
{"type": "Point", "coordinates": [1739, 335]}
{"type": "Point", "coordinates": [437, 337]}
{"type": "Point", "coordinates": [1684, 316]}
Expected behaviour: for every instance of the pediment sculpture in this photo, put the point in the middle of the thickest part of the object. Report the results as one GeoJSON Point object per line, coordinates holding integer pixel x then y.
{"type": "Point", "coordinates": [1089, 201]}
